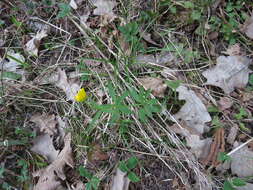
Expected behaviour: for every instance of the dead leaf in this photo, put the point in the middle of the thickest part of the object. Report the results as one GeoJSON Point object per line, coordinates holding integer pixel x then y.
{"type": "Point", "coordinates": [232, 134]}
{"type": "Point", "coordinates": [156, 85]}
{"type": "Point", "coordinates": [46, 123]}
{"type": "Point", "coordinates": [193, 112]}
{"type": "Point", "coordinates": [230, 72]}
{"type": "Point", "coordinates": [159, 59]}
{"type": "Point", "coordinates": [49, 176]}
{"type": "Point", "coordinates": [247, 96]}
{"type": "Point", "coordinates": [73, 4]}
{"type": "Point", "coordinates": [233, 50]}
{"type": "Point", "coordinates": [43, 145]}
{"type": "Point", "coordinates": [104, 7]}
{"type": "Point", "coordinates": [147, 37]}
{"type": "Point", "coordinates": [14, 62]}
{"type": "Point", "coordinates": [225, 103]}
{"type": "Point", "coordinates": [96, 154]}
{"type": "Point", "coordinates": [70, 88]}
{"type": "Point", "coordinates": [248, 27]}
{"type": "Point", "coordinates": [200, 148]}
{"type": "Point", "coordinates": [32, 46]}
{"type": "Point", "coordinates": [242, 162]}
{"type": "Point", "coordinates": [120, 181]}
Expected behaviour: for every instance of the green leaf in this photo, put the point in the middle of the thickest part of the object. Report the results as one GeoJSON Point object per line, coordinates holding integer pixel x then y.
{"type": "Point", "coordinates": [1, 172]}
{"type": "Point", "coordinates": [251, 79]}
{"type": "Point", "coordinates": [132, 162]}
{"type": "Point", "coordinates": [216, 122]}
{"type": "Point", "coordinates": [133, 177]}
{"type": "Point", "coordinates": [84, 172]}
{"type": "Point", "coordinates": [242, 113]}
{"type": "Point", "coordinates": [213, 109]}
{"type": "Point", "coordinates": [228, 186]}
{"type": "Point", "coordinates": [94, 182]}
{"type": "Point", "coordinates": [188, 5]}
{"type": "Point", "coordinates": [222, 156]}
{"type": "Point", "coordinates": [173, 84]}
{"type": "Point", "coordinates": [10, 75]}
{"type": "Point", "coordinates": [196, 15]}
{"type": "Point", "coordinates": [123, 166]}
{"type": "Point", "coordinates": [65, 10]}
{"type": "Point", "coordinates": [142, 115]}
{"type": "Point", "coordinates": [238, 182]}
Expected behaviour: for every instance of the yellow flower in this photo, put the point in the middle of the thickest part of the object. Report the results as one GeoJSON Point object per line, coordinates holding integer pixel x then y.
{"type": "Point", "coordinates": [81, 95]}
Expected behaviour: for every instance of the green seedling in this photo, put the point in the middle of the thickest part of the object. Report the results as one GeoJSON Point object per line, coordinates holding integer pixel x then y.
{"type": "Point", "coordinates": [216, 122]}
{"type": "Point", "coordinates": [93, 181]}
{"type": "Point", "coordinates": [65, 10]}
{"type": "Point", "coordinates": [233, 183]}
{"type": "Point", "coordinates": [128, 166]}
{"type": "Point", "coordinates": [23, 172]}
{"type": "Point", "coordinates": [223, 157]}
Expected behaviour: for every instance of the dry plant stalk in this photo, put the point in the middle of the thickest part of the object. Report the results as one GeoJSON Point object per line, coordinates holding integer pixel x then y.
{"type": "Point", "coordinates": [218, 145]}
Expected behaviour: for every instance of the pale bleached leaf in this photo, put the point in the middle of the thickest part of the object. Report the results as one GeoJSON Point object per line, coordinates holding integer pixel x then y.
{"type": "Point", "coordinates": [248, 27]}
{"type": "Point", "coordinates": [193, 112]}
{"type": "Point", "coordinates": [32, 46]}
{"type": "Point", "coordinates": [43, 145]}
{"type": "Point", "coordinates": [73, 4]}
{"type": "Point", "coordinates": [51, 177]}
{"type": "Point", "coordinates": [45, 122]}
{"type": "Point", "coordinates": [120, 181]}
{"type": "Point", "coordinates": [156, 85]}
{"type": "Point", "coordinates": [70, 88]}
{"type": "Point", "coordinates": [242, 162]}
{"type": "Point", "coordinates": [13, 62]}
{"type": "Point", "coordinates": [200, 148]}
{"type": "Point", "coordinates": [104, 7]}
{"type": "Point", "coordinates": [230, 72]}
{"type": "Point", "coordinates": [248, 186]}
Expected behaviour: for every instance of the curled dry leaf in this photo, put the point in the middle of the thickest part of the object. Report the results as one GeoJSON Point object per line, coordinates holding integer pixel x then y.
{"type": "Point", "coordinates": [43, 145]}
{"type": "Point", "coordinates": [96, 154]}
{"type": "Point", "coordinates": [248, 27]}
{"type": "Point", "coordinates": [159, 59]}
{"type": "Point", "coordinates": [193, 112]}
{"type": "Point", "coordinates": [49, 176]}
{"type": "Point", "coordinates": [69, 87]}
{"type": "Point", "coordinates": [233, 50]}
{"type": "Point", "coordinates": [104, 7]}
{"type": "Point", "coordinates": [225, 103]}
{"type": "Point", "coordinates": [46, 123]}
{"type": "Point", "coordinates": [156, 85]}
{"type": "Point", "coordinates": [230, 72]}
{"type": "Point", "coordinates": [32, 46]}
{"type": "Point", "coordinates": [242, 162]}
{"type": "Point", "coordinates": [232, 134]}
{"type": "Point", "coordinates": [120, 181]}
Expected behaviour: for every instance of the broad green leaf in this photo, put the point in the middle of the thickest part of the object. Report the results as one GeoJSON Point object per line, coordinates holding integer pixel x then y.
{"type": "Point", "coordinates": [123, 166]}
{"type": "Point", "coordinates": [213, 109]}
{"type": "Point", "coordinates": [188, 5]}
{"type": "Point", "coordinates": [65, 10]}
{"type": "Point", "coordinates": [238, 182]}
{"type": "Point", "coordinates": [173, 84]}
{"type": "Point", "coordinates": [94, 182]}
{"type": "Point", "coordinates": [133, 177]}
{"type": "Point", "coordinates": [84, 172]}
{"type": "Point", "coordinates": [222, 156]}
{"type": "Point", "coordinates": [132, 162]}
{"type": "Point", "coordinates": [228, 186]}
{"type": "Point", "coordinates": [142, 115]}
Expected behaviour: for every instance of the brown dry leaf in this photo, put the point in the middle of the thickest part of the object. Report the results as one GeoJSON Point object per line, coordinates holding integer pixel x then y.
{"type": "Point", "coordinates": [200, 148]}
{"type": "Point", "coordinates": [225, 103]}
{"type": "Point", "coordinates": [32, 46]}
{"type": "Point", "coordinates": [43, 145]}
{"type": "Point", "coordinates": [48, 177]}
{"type": "Point", "coordinates": [69, 87]}
{"type": "Point", "coordinates": [193, 112]}
{"type": "Point", "coordinates": [147, 37]}
{"type": "Point", "coordinates": [104, 7]}
{"type": "Point", "coordinates": [156, 85]}
{"type": "Point", "coordinates": [46, 123]}
{"type": "Point", "coordinates": [96, 154]}
{"type": "Point", "coordinates": [248, 27]}
{"type": "Point", "coordinates": [120, 181]}
{"type": "Point", "coordinates": [242, 162]}
{"type": "Point", "coordinates": [230, 72]}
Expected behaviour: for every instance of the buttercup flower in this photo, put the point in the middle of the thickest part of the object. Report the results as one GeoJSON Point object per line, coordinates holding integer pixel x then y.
{"type": "Point", "coordinates": [81, 95]}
